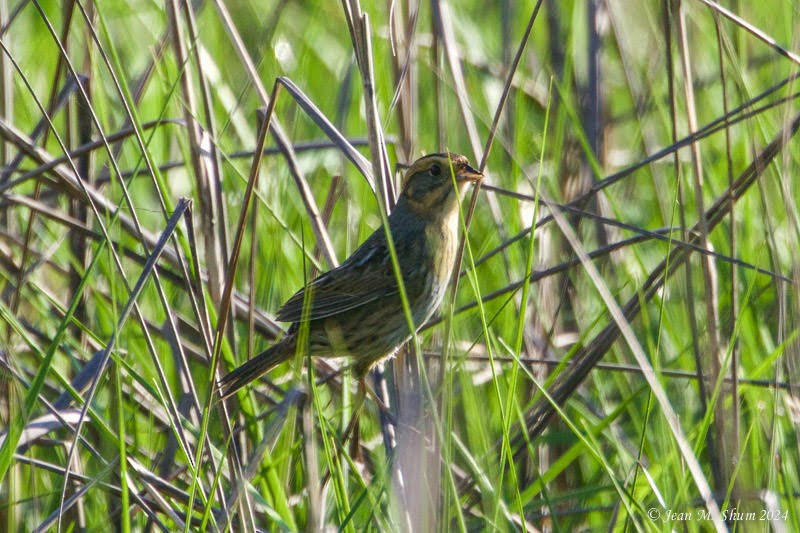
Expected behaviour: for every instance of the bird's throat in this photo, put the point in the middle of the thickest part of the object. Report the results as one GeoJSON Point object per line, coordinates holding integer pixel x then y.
{"type": "Point", "coordinates": [442, 242]}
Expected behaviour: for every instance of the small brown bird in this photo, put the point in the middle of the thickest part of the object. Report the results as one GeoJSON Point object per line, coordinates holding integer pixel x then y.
{"type": "Point", "coordinates": [356, 309]}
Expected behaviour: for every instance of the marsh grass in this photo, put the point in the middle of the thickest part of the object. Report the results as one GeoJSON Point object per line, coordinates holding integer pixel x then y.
{"type": "Point", "coordinates": [620, 350]}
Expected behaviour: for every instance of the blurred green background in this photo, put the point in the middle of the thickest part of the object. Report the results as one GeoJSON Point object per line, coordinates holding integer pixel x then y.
{"type": "Point", "coordinates": [596, 126]}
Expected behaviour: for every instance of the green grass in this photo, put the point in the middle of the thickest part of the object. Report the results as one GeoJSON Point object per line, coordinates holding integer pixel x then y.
{"type": "Point", "coordinates": [643, 381]}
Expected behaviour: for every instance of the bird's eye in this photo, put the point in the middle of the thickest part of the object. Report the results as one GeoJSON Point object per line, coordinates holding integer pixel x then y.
{"type": "Point", "coordinates": [436, 170]}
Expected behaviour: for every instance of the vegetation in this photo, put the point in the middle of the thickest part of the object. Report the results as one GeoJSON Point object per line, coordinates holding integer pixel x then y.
{"type": "Point", "coordinates": [151, 223]}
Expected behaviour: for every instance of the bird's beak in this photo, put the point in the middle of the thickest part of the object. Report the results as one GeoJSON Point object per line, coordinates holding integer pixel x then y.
{"type": "Point", "coordinates": [469, 174]}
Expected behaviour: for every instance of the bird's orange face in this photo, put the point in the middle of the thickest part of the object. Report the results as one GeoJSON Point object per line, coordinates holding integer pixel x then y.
{"type": "Point", "coordinates": [428, 184]}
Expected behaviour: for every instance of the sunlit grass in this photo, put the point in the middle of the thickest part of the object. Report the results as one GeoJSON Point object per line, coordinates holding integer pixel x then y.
{"type": "Point", "coordinates": [484, 428]}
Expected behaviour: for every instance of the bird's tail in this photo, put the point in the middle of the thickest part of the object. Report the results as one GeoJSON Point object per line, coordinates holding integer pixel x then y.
{"type": "Point", "coordinates": [255, 368]}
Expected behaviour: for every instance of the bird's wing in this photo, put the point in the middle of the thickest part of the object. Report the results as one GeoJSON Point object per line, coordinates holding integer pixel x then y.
{"type": "Point", "coordinates": [366, 276]}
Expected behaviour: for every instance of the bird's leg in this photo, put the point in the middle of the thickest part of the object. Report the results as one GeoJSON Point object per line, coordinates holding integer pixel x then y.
{"type": "Point", "coordinates": [351, 431]}
{"type": "Point", "coordinates": [382, 407]}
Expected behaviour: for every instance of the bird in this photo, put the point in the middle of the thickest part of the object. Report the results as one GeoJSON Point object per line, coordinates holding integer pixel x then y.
{"type": "Point", "coordinates": [356, 309]}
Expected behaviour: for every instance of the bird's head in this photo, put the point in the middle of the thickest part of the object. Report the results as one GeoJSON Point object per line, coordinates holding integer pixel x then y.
{"type": "Point", "coordinates": [428, 184]}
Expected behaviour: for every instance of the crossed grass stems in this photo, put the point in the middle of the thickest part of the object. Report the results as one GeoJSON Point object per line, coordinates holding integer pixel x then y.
{"type": "Point", "coordinates": [179, 264]}
{"type": "Point", "coordinates": [235, 305]}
